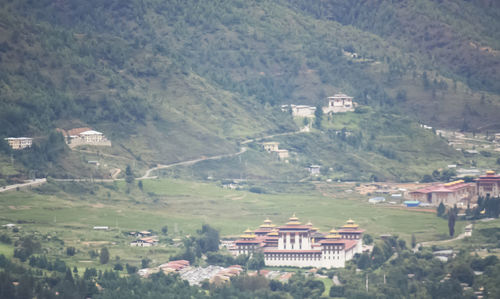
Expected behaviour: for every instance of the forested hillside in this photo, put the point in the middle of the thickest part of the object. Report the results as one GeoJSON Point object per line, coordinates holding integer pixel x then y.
{"type": "Point", "coordinates": [172, 80]}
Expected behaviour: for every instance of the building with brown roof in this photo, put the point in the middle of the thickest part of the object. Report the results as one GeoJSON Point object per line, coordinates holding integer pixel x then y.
{"type": "Point", "coordinates": [450, 194]}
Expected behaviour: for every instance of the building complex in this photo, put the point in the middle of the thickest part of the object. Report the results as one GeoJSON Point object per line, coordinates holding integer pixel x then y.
{"type": "Point", "coordinates": [301, 245]}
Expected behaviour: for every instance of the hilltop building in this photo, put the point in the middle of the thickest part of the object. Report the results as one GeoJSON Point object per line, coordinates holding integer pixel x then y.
{"type": "Point", "coordinates": [273, 147]}
{"type": "Point", "coordinates": [80, 136]}
{"type": "Point", "coordinates": [339, 103]}
{"type": "Point", "coordinates": [450, 194]}
{"type": "Point", "coordinates": [314, 169]}
{"type": "Point", "coordinates": [303, 110]}
{"type": "Point", "coordinates": [19, 143]}
{"type": "Point", "coordinates": [301, 245]}
{"type": "Point", "coordinates": [282, 154]}
{"type": "Point", "coordinates": [488, 184]}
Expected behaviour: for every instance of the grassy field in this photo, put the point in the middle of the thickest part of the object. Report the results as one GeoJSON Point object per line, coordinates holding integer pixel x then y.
{"type": "Point", "coordinates": [68, 211]}
{"type": "Point", "coordinates": [6, 250]}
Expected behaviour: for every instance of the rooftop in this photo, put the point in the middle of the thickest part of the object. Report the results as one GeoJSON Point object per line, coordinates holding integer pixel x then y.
{"type": "Point", "coordinates": [444, 188]}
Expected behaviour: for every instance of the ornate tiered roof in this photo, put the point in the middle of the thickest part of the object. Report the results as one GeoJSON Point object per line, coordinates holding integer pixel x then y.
{"type": "Point", "coordinates": [350, 224]}
{"type": "Point", "coordinates": [248, 234]}
{"type": "Point", "coordinates": [334, 234]}
{"type": "Point", "coordinates": [293, 220]}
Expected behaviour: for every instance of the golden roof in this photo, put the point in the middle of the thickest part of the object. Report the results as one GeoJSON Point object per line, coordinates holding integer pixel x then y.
{"type": "Point", "coordinates": [248, 231]}
{"type": "Point", "coordinates": [247, 236]}
{"type": "Point", "coordinates": [267, 224]}
{"type": "Point", "coordinates": [315, 229]}
{"type": "Point", "coordinates": [274, 232]}
{"type": "Point", "coordinates": [309, 223]}
{"type": "Point", "coordinates": [454, 183]}
{"type": "Point", "coordinates": [293, 220]}
{"type": "Point", "coordinates": [490, 172]}
{"type": "Point", "coordinates": [350, 224]}
{"type": "Point", "coordinates": [333, 235]}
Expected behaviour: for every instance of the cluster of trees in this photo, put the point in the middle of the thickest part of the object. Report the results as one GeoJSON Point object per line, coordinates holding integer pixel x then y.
{"type": "Point", "coordinates": [206, 241]}
{"type": "Point", "coordinates": [443, 176]}
{"type": "Point", "coordinates": [420, 275]}
{"type": "Point", "coordinates": [420, 25]}
{"type": "Point", "coordinates": [487, 207]}
{"type": "Point", "coordinates": [25, 247]}
{"type": "Point", "coordinates": [381, 252]}
{"type": "Point", "coordinates": [407, 275]}
{"type": "Point", "coordinates": [391, 269]}
{"type": "Point", "coordinates": [43, 263]}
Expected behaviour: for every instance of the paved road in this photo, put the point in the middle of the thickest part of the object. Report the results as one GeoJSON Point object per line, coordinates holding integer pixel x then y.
{"type": "Point", "coordinates": [270, 136]}
{"type": "Point", "coordinates": [147, 175]}
{"type": "Point", "coordinates": [430, 243]}
{"type": "Point", "coordinates": [36, 182]}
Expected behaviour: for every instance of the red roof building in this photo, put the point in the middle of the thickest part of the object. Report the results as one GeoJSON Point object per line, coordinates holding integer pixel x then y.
{"type": "Point", "coordinates": [450, 194]}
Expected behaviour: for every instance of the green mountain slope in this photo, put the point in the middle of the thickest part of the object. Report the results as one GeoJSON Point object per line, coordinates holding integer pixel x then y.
{"type": "Point", "coordinates": [172, 80]}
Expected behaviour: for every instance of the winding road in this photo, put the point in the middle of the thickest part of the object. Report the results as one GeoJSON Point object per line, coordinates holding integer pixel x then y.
{"type": "Point", "coordinates": [147, 174]}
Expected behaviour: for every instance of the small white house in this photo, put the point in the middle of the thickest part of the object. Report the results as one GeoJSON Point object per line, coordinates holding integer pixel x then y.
{"type": "Point", "coordinates": [303, 110]}
{"type": "Point", "coordinates": [145, 242]}
{"type": "Point", "coordinates": [314, 169]}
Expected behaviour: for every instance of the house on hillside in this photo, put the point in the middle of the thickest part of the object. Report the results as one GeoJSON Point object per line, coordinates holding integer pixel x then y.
{"type": "Point", "coordinates": [81, 136]}
{"type": "Point", "coordinates": [19, 143]}
{"type": "Point", "coordinates": [314, 169]}
{"type": "Point", "coordinates": [303, 110]}
{"type": "Point", "coordinates": [145, 242]}
{"type": "Point", "coordinates": [339, 103]}
{"type": "Point", "coordinates": [271, 146]}
{"type": "Point", "coordinates": [282, 154]}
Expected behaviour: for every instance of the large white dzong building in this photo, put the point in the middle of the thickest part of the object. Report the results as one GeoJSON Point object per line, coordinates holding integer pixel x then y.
{"type": "Point", "coordinates": [301, 245]}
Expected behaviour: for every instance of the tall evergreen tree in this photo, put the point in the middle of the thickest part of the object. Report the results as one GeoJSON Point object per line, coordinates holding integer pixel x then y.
{"type": "Point", "coordinates": [441, 209]}
{"type": "Point", "coordinates": [451, 221]}
{"type": "Point", "coordinates": [318, 117]}
{"type": "Point", "coordinates": [104, 256]}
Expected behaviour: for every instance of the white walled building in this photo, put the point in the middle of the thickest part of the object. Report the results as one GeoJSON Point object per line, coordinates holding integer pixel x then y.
{"type": "Point", "coordinates": [271, 146]}
{"type": "Point", "coordinates": [339, 103]}
{"type": "Point", "coordinates": [19, 143]}
{"type": "Point", "coordinates": [302, 110]}
{"type": "Point", "coordinates": [298, 245]}
{"type": "Point", "coordinates": [81, 136]}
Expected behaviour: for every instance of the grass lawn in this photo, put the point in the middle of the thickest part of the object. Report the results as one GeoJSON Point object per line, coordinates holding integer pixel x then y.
{"type": "Point", "coordinates": [184, 206]}
{"type": "Point", "coordinates": [328, 284]}
{"type": "Point", "coordinates": [6, 250]}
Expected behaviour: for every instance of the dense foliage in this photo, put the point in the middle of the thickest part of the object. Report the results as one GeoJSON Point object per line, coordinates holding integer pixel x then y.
{"type": "Point", "coordinates": [189, 78]}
